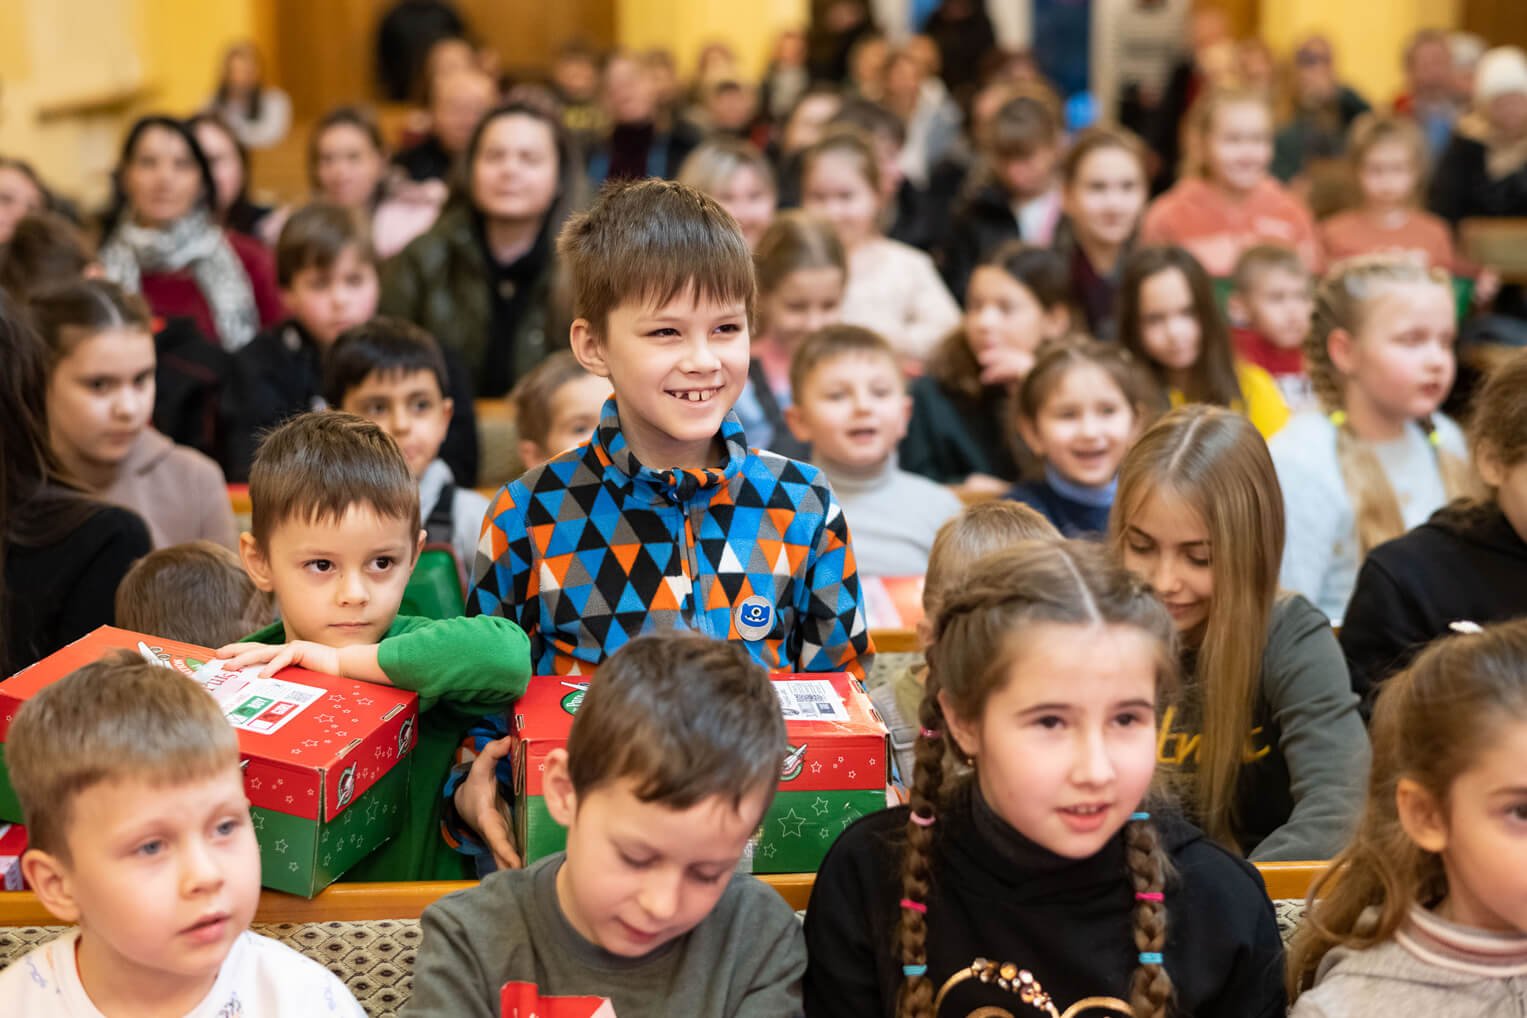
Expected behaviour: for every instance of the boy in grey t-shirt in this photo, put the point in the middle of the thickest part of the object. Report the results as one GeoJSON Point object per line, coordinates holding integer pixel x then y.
{"type": "Point", "coordinates": [671, 764]}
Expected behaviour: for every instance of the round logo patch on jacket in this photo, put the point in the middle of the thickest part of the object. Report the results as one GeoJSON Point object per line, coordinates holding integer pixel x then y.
{"type": "Point", "coordinates": [754, 618]}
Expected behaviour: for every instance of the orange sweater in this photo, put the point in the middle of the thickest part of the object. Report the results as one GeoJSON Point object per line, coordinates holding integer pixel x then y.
{"type": "Point", "coordinates": [1354, 233]}
{"type": "Point", "coordinates": [1216, 228]}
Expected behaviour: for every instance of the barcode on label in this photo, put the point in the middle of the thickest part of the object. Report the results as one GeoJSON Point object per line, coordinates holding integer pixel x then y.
{"type": "Point", "coordinates": [809, 699]}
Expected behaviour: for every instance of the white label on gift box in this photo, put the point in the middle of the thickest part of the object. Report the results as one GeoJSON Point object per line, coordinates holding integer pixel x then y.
{"type": "Point", "coordinates": [253, 704]}
{"type": "Point", "coordinates": [809, 700]}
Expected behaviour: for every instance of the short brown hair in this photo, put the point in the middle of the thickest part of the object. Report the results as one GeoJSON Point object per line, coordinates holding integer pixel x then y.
{"type": "Point", "coordinates": [1023, 125]}
{"type": "Point", "coordinates": [652, 240]}
{"type": "Point", "coordinates": [828, 344]}
{"type": "Point", "coordinates": [533, 395]}
{"type": "Point", "coordinates": [117, 718]}
{"type": "Point", "coordinates": [315, 466]}
{"type": "Point", "coordinates": [1259, 259]}
{"type": "Point", "coordinates": [316, 235]}
{"type": "Point", "coordinates": [386, 347]}
{"type": "Point", "coordinates": [196, 592]}
{"type": "Point", "coordinates": [685, 717]}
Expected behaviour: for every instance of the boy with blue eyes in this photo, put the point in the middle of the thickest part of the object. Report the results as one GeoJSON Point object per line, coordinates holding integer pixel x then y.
{"type": "Point", "coordinates": [129, 780]}
{"type": "Point", "coordinates": [334, 534]}
{"type": "Point", "coordinates": [673, 758]}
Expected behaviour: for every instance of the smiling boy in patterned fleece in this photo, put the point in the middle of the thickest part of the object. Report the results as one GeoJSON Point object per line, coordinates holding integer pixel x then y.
{"type": "Point", "coordinates": [666, 519]}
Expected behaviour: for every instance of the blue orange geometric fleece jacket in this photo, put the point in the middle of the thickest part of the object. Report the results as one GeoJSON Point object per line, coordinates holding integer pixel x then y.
{"type": "Point", "coordinates": [592, 549]}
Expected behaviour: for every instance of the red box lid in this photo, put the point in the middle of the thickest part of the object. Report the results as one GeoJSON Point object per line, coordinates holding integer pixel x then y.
{"type": "Point", "coordinates": [320, 758]}
{"type": "Point", "coordinates": [836, 739]}
{"type": "Point", "coordinates": [892, 602]}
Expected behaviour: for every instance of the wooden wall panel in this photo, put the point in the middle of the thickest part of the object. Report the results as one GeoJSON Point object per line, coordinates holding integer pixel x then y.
{"type": "Point", "coordinates": [1501, 22]}
{"type": "Point", "coordinates": [324, 49]}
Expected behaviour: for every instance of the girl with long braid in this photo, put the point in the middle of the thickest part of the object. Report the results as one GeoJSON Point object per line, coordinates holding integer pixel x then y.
{"type": "Point", "coordinates": [1042, 881]}
{"type": "Point", "coordinates": [1379, 458]}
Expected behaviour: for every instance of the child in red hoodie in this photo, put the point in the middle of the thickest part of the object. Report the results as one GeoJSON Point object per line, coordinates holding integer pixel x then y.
{"type": "Point", "coordinates": [1270, 308]}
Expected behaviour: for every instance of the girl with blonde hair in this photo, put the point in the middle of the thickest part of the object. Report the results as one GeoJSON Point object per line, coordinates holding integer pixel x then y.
{"type": "Point", "coordinates": [1378, 458]}
{"type": "Point", "coordinates": [1267, 748]}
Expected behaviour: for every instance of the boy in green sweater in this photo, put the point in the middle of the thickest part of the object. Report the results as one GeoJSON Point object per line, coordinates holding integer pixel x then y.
{"type": "Point", "coordinates": [334, 534]}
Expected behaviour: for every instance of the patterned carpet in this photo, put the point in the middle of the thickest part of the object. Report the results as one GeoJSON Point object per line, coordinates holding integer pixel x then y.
{"type": "Point", "coordinates": [376, 958]}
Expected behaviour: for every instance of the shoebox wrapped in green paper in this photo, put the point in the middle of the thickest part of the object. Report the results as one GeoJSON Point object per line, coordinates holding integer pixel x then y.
{"type": "Point", "coordinates": [833, 772]}
{"type": "Point", "coordinates": [325, 759]}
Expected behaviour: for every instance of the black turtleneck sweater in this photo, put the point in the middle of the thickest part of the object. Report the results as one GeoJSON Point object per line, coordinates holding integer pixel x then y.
{"type": "Point", "coordinates": [999, 896]}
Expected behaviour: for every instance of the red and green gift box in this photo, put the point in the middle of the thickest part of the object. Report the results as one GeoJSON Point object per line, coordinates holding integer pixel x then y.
{"type": "Point", "coordinates": [834, 770]}
{"type": "Point", "coordinates": [13, 845]}
{"type": "Point", "coordinates": [326, 759]}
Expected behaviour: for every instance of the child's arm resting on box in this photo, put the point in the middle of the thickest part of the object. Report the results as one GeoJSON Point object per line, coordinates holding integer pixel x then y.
{"type": "Point", "coordinates": [477, 665]}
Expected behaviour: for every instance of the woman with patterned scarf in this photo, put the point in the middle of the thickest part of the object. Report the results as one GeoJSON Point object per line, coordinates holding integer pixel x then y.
{"type": "Point", "coordinates": [161, 239]}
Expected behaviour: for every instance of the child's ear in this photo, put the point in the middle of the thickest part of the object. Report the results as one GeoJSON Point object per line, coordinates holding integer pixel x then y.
{"type": "Point", "coordinates": [531, 455]}
{"type": "Point", "coordinates": [1491, 470]}
{"type": "Point", "coordinates": [1341, 345]}
{"type": "Point", "coordinates": [448, 408]}
{"type": "Point", "coordinates": [964, 735]}
{"type": "Point", "coordinates": [587, 349]}
{"type": "Point", "coordinates": [1420, 815]}
{"type": "Point", "coordinates": [419, 548]}
{"type": "Point", "coordinates": [557, 787]}
{"type": "Point", "coordinates": [1030, 435]}
{"type": "Point", "coordinates": [255, 562]}
{"type": "Point", "coordinates": [796, 422]}
{"type": "Point", "coordinates": [48, 878]}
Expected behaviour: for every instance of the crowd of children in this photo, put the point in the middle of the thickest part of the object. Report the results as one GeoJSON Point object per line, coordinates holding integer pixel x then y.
{"type": "Point", "coordinates": [1217, 566]}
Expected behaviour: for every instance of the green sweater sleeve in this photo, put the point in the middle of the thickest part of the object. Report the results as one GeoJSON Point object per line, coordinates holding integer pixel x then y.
{"type": "Point", "coordinates": [477, 665]}
{"type": "Point", "coordinates": [1304, 677]}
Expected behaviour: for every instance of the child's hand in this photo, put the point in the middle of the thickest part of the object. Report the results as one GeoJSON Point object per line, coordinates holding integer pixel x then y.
{"type": "Point", "coordinates": [276, 657]}
{"type": "Point", "coordinates": [1003, 364]}
{"type": "Point", "coordinates": [477, 803]}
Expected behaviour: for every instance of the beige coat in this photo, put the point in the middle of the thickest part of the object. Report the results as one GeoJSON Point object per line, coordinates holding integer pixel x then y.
{"type": "Point", "coordinates": [180, 493]}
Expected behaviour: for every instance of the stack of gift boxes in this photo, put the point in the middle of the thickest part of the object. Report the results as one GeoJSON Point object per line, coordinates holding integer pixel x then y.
{"type": "Point", "coordinates": [834, 770]}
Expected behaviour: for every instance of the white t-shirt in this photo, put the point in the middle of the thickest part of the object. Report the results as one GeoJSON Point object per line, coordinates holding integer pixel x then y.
{"type": "Point", "coordinates": [260, 978]}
